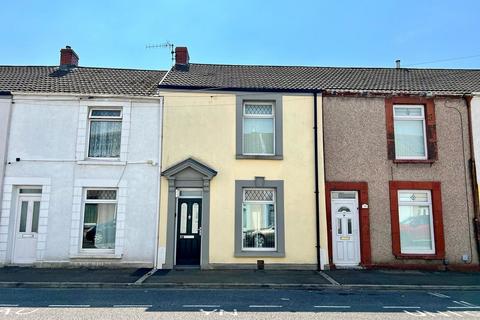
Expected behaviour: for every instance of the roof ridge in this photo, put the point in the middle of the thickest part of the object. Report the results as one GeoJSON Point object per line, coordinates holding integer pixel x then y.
{"type": "Point", "coordinates": [326, 67]}
{"type": "Point", "coordinates": [81, 67]}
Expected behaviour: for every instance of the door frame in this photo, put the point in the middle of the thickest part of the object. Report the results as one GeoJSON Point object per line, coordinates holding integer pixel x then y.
{"type": "Point", "coordinates": [16, 222]}
{"type": "Point", "coordinates": [178, 190]}
{"type": "Point", "coordinates": [357, 214]}
{"type": "Point", "coordinates": [363, 218]}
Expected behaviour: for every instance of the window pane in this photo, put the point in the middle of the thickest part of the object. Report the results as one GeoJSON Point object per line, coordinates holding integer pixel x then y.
{"type": "Point", "coordinates": [106, 113]}
{"type": "Point", "coordinates": [258, 226]}
{"type": "Point", "coordinates": [344, 194]}
{"type": "Point", "coordinates": [416, 196]}
{"type": "Point", "coordinates": [101, 194]}
{"type": "Point", "coordinates": [31, 191]}
{"type": "Point", "coordinates": [190, 193]}
{"type": "Point", "coordinates": [415, 229]}
{"type": "Point", "coordinates": [23, 216]}
{"type": "Point", "coordinates": [99, 226]}
{"type": "Point", "coordinates": [35, 215]}
{"type": "Point", "coordinates": [414, 112]}
{"type": "Point", "coordinates": [409, 138]}
{"type": "Point", "coordinates": [252, 109]}
{"type": "Point", "coordinates": [258, 195]}
{"type": "Point", "coordinates": [105, 139]}
{"type": "Point", "coordinates": [258, 136]}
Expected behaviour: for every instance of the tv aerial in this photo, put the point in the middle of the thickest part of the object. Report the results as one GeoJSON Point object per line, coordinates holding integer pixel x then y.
{"type": "Point", "coordinates": [167, 45]}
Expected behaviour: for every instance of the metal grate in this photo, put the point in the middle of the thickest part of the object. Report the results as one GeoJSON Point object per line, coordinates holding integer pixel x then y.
{"type": "Point", "coordinates": [254, 109]}
{"type": "Point", "coordinates": [259, 195]}
{"type": "Point", "coordinates": [101, 194]}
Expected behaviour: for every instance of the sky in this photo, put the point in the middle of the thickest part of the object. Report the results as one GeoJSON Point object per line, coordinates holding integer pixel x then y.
{"type": "Point", "coordinates": [107, 33]}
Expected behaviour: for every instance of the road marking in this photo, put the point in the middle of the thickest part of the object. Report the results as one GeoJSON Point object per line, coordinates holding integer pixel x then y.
{"type": "Point", "coordinates": [464, 305]}
{"type": "Point", "coordinates": [400, 307]}
{"type": "Point", "coordinates": [8, 305]}
{"type": "Point", "coordinates": [285, 299]}
{"type": "Point", "coordinates": [335, 307]}
{"type": "Point", "coordinates": [201, 306]}
{"type": "Point", "coordinates": [328, 278]}
{"type": "Point", "coordinates": [69, 306]}
{"type": "Point", "coordinates": [439, 295]}
{"type": "Point", "coordinates": [132, 305]}
{"type": "Point", "coordinates": [264, 306]}
{"type": "Point", "coordinates": [455, 313]}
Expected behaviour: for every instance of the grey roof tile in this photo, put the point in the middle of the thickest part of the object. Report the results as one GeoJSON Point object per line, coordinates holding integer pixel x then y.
{"type": "Point", "coordinates": [80, 80]}
{"type": "Point", "coordinates": [297, 78]}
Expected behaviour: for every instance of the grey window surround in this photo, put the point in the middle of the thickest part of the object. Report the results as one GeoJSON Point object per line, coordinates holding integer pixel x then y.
{"type": "Point", "coordinates": [260, 182]}
{"type": "Point", "coordinates": [277, 104]}
{"type": "Point", "coordinates": [189, 173]}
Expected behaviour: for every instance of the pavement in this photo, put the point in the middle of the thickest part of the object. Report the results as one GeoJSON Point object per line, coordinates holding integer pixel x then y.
{"type": "Point", "coordinates": [248, 304]}
{"type": "Point", "coordinates": [237, 279]}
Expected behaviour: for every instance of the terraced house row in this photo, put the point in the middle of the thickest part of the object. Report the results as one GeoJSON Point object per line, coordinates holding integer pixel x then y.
{"type": "Point", "coordinates": [238, 166]}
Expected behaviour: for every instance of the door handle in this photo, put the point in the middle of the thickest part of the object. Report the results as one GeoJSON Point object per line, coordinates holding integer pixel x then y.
{"type": "Point", "coordinates": [200, 231]}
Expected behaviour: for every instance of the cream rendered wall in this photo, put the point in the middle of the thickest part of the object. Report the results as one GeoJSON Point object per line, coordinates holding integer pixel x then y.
{"type": "Point", "coordinates": [202, 126]}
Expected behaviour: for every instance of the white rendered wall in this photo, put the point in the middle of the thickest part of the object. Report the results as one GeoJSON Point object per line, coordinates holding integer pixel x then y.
{"type": "Point", "coordinates": [49, 135]}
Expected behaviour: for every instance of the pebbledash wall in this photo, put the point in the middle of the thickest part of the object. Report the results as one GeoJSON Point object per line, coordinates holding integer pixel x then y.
{"type": "Point", "coordinates": [356, 151]}
{"type": "Point", "coordinates": [202, 126]}
{"type": "Point", "coordinates": [47, 148]}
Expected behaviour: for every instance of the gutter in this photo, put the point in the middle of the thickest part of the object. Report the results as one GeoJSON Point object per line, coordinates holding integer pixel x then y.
{"type": "Point", "coordinates": [317, 197]}
{"type": "Point", "coordinates": [473, 174]}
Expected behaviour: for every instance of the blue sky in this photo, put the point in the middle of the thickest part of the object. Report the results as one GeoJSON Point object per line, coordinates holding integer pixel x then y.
{"type": "Point", "coordinates": [326, 33]}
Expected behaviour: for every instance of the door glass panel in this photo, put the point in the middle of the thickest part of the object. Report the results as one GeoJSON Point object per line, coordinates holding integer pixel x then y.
{"type": "Point", "coordinates": [183, 218]}
{"type": "Point", "coordinates": [35, 215]}
{"type": "Point", "coordinates": [195, 218]}
{"type": "Point", "coordinates": [339, 225]}
{"type": "Point", "coordinates": [23, 216]}
{"type": "Point", "coordinates": [349, 226]}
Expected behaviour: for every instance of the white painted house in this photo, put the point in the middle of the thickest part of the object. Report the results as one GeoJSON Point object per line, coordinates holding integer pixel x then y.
{"type": "Point", "coordinates": [81, 180]}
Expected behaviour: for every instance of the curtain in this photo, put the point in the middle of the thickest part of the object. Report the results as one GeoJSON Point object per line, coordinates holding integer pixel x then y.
{"type": "Point", "coordinates": [409, 138]}
{"type": "Point", "coordinates": [258, 136]}
{"type": "Point", "coordinates": [105, 139]}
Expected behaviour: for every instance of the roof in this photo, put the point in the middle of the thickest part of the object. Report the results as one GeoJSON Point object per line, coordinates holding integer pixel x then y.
{"type": "Point", "coordinates": [307, 79]}
{"type": "Point", "coordinates": [80, 80]}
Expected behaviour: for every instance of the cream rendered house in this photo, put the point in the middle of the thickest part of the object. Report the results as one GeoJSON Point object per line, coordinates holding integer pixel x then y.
{"type": "Point", "coordinates": [239, 171]}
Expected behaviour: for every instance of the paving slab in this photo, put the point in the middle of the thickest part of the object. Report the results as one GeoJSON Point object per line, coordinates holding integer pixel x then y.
{"type": "Point", "coordinates": [404, 277]}
{"type": "Point", "coordinates": [259, 277]}
{"type": "Point", "coordinates": [77, 275]}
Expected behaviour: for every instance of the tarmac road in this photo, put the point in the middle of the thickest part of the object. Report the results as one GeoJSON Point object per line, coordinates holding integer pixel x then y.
{"type": "Point", "coordinates": [30, 303]}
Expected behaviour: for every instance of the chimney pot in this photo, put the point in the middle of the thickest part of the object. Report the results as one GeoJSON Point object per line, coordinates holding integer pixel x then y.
{"type": "Point", "coordinates": [397, 62]}
{"type": "Point", "coordinates": [181, 56]}
{"type": "Point", "coordinates": [68, 58]}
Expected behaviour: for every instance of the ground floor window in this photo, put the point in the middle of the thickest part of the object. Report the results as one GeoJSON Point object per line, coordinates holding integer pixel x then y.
{"type": "Point", "coordinates": [258, 219]}
{"type": "Point", "coordinates": [416, 219]}
{"type": "Point", "coordinates": [99, 219]}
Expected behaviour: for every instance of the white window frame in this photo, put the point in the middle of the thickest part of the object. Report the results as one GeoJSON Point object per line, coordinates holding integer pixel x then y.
{"type": "Point", "coordinates": [97, 201]}
{"type": "Point", "coordinates": [258, 116]}
{"type": "Point", "coordinates": [418, 203]}
{"type": "Point", "coordinates": [92, 118]}
{"type": "Point", "coordinates": [274, 202]}
{"type": "Point", "coordinates": [404, 118]}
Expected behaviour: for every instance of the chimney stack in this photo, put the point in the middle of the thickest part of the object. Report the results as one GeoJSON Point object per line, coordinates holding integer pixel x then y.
{"type": "Point", "coordinates": [68, 58]}
{"type": "Point", "coordinates": [397, 62]}
{"type": "Point", "coordinates": [181, 56]}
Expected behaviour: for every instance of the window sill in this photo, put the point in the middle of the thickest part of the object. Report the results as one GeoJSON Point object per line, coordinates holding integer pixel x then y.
{"type": "Point", "coordinates": [420, 256]}
{"type": "Point", "coordinates": [426, 161]}
{"type": "Point", "coordinates": [102, 162]}
{"type": "Point", "coordinates": [259, 157]}
{"type": "Point", "coordinates": [260, 254]}
{"type": "Point", "coordinates": [96, 256]}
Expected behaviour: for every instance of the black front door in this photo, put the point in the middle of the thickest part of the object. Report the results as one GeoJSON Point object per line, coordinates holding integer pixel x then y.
{"type": "Point", "coordinates": [189, 231]}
